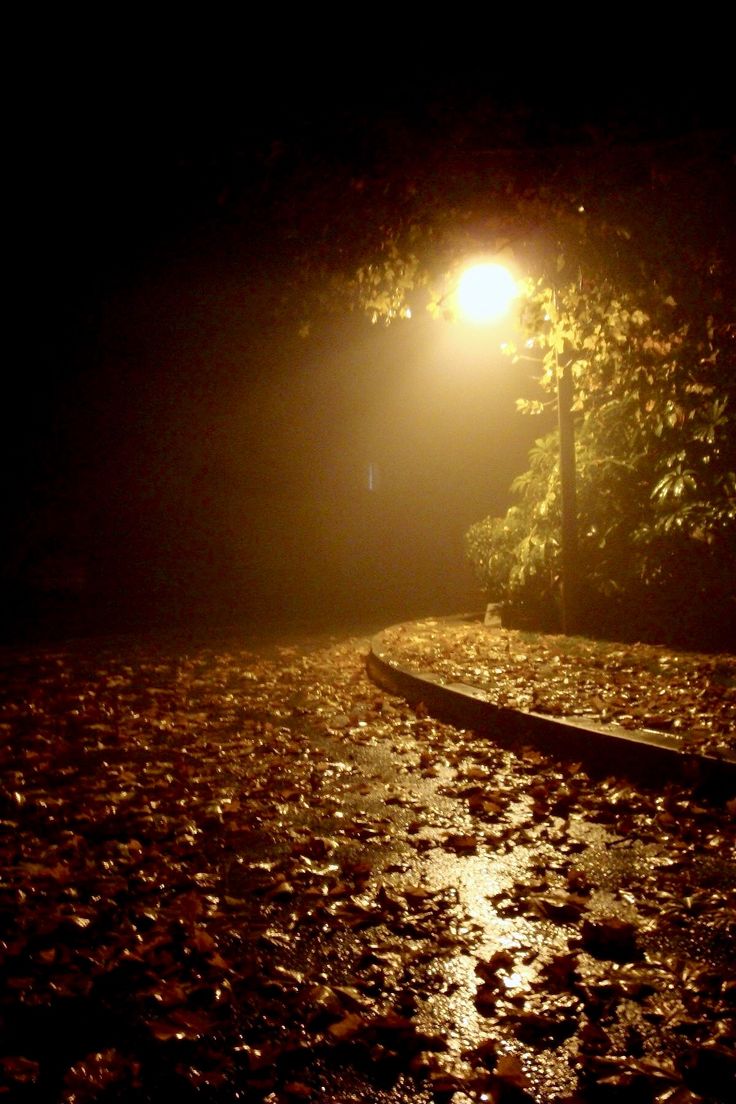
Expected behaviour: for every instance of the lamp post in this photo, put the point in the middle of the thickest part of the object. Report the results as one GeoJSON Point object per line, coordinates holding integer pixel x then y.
{"type": "Point", "coordinates": [485, 293]}
{"type": "Point", "coordinates": [568, 499]}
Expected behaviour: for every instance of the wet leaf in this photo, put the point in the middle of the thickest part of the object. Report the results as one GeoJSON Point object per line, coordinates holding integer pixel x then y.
{"type": "Point", "coordinates": [225, 888]}
{"type": "Point", "coordinates": [489, 968]}
{"type": "Point", "coordinates": [182, 1024]}
{"type": "Point", "coordinates": [544, 1029]}
{"type": "Point", "coordinates": [320, 999]}
{"type": "Point", "coordinates": [510, 1070]}
{"type": "Point", "coordinates": [461, 843]}
{"type": "Point", "coordinates": [348, 1027]}
{"type": "Point", "coordinates": [560, 907]}
{"type": "Point", "coordinates": [98, 1072]}
{"type": "Point", "coordinates": [22, 1071]}
{"type": "Point", "coordinates": [611, 938]}
{"type": "Point", "coordinates": [561, 972]}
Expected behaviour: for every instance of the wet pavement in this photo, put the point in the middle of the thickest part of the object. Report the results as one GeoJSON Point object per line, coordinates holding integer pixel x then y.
{"type": "Point", "coordinates": [649, 711]}
{"type": "Point", "coordinates": [243, 872]}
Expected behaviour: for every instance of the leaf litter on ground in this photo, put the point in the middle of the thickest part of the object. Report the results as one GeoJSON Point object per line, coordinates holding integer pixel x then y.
{"type": "Point", "coordinates": [691, 696]}
{"type": "Point", "coordinates": [235, 875]}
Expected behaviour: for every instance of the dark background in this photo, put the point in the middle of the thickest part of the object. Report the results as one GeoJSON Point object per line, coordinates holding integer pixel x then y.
{"type": "Point", "coordinates": [173, 449]}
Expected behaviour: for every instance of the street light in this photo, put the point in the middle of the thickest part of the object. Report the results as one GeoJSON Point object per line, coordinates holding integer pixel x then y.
{"type": "Point", "coordinates": [485, 293]}
{"type": "Point", "coordinates": [568, 497]}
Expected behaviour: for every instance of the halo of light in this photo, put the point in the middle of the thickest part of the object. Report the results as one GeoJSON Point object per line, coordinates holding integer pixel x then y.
{"type": "Point", "coordinates": [485, 292]}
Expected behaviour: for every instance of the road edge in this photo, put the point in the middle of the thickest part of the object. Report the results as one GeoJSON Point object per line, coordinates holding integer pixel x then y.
{"type": "Point", "coordinates": [636, 754]}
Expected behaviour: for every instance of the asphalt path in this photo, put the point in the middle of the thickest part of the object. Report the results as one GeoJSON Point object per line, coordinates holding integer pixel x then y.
{"type": "Point", "coordinates": [235, 869]}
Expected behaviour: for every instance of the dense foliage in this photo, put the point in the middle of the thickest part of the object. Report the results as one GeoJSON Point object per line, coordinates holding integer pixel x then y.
{"type": "Point", "coordinates": [627, 231]}
{"type": "Point", "coordinates": [633, 286]}
{"type": "Point", "coordinates": [655, 413]}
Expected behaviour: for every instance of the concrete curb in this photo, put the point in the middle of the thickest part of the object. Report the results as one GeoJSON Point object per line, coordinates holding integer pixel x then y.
{"type": "Point", "coordinates": [651, 757]}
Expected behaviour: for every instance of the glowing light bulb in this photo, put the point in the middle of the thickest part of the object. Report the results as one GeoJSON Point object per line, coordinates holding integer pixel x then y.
{"type": "Point", "coordinates": [485, 292]}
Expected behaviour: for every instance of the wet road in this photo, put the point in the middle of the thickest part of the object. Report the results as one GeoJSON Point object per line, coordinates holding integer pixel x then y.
{"type": "Point", "coordinates": [245, 873]}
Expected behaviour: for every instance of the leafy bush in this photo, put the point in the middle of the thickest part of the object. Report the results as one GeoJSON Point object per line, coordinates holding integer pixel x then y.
{"type": "Point", "coordinates": [655, 412]}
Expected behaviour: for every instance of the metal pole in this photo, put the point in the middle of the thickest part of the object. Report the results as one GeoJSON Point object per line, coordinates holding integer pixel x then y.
{"type": "Point", "coordinates": [568, 502]}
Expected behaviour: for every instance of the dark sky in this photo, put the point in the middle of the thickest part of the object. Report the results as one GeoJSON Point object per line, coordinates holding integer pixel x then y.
{"type": "Point", "coordinates": [167, 435]}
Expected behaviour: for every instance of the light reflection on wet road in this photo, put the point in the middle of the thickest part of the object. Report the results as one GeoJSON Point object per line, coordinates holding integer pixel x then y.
{"type": "Point", "coordinates": [365, 862]}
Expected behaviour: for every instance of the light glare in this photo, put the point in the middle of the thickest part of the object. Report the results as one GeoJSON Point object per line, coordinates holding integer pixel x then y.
{"type": "Point", "coordinates": [485, 292]}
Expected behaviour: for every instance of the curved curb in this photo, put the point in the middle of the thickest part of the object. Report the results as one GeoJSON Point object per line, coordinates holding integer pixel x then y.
{"type": "Point", "coordinates": [647, 756]}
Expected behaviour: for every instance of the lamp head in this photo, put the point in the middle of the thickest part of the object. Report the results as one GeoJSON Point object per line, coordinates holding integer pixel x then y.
{"type": "Point", "coordinates": [485, 292]}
